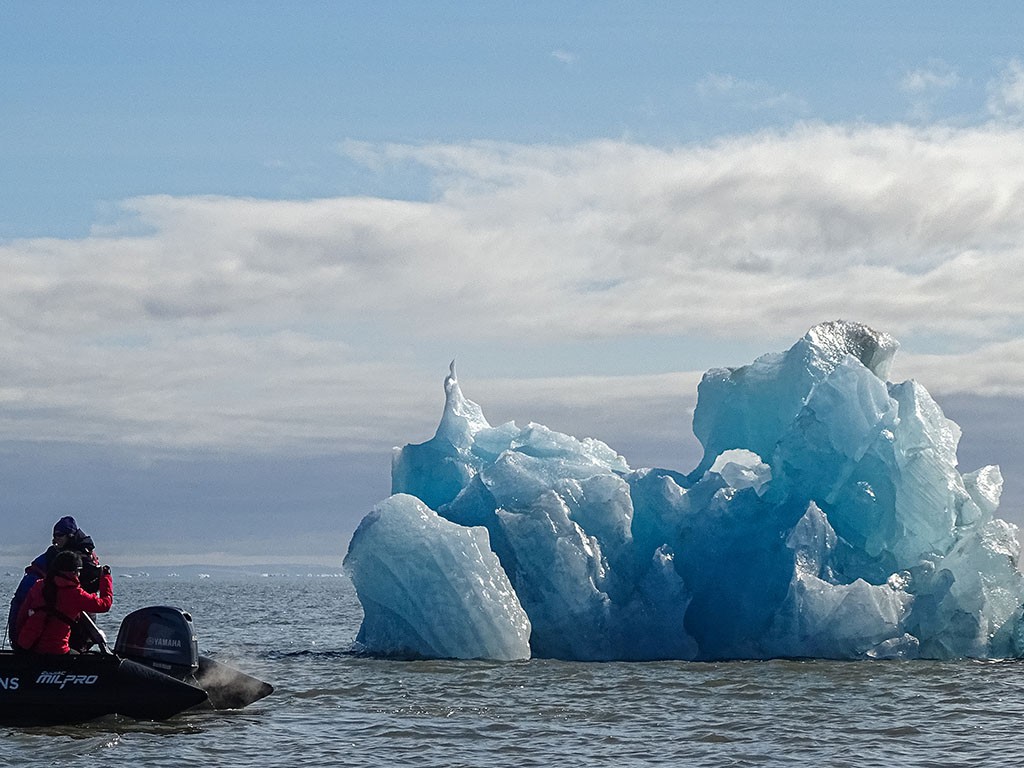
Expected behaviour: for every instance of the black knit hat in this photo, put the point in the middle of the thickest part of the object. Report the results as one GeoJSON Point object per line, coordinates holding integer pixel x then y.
{"type": "Point", "coordinates": [65, 526]}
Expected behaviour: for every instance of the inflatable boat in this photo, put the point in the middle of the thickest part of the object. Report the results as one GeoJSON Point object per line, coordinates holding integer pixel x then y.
{"type": "Point", "coordinates": [154, 672]}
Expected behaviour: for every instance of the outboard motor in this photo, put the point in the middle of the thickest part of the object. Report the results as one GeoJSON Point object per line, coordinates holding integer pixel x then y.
{"type": "Point", "coordinates": [160, 637]}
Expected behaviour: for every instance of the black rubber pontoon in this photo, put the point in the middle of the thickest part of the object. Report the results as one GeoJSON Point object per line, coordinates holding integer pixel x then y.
{"type": "Point", "coordinates": [50, 690]}
{"type": "Point", "coordinates": [154, 673]}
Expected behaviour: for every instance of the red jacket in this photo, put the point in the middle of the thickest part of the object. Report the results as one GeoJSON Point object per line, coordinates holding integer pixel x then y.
{"type": "Point", "coordinates": [72, 600]}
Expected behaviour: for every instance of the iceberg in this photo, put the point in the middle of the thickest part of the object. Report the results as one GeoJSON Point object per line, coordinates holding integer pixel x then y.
{"type": "Point", "coordinates": [826, 519]}
{"type": "Point", "coordinates": [433, 589]}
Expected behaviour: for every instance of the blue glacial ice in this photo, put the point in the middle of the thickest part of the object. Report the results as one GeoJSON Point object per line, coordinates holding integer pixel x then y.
{"type": "Point", "coordinates": [826, 519]}
{"type": "Point", "coordinates": [432, 587]}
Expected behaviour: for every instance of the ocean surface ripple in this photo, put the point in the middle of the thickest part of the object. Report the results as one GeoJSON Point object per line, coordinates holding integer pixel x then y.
{"type": "Point", "coordinates": [332, 707]}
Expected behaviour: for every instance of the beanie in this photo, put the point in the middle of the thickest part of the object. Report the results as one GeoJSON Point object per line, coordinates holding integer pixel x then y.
{"type": "Point", "coordinates": [65, 526]}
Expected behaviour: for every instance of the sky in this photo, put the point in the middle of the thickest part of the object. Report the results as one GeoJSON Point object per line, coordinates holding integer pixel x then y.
{"type": "Point", "coordinates": [240, 242]}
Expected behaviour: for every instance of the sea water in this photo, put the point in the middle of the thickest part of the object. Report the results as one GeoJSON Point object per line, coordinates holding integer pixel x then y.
{"type": "Point", "coordinates": [293, 627]}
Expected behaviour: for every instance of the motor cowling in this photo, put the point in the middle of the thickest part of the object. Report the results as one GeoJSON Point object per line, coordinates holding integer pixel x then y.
{"type": "Point", "coordinates": [160, 637]}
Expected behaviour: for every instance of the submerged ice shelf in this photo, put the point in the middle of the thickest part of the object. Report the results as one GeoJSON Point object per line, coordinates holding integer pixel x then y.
{"type": "Point", "coordinates": [827, 518]}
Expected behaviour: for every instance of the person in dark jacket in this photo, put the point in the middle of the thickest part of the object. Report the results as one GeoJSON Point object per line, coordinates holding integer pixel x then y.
{"type": "Point", "coordinates": [55, 603]}
{"type": "Point", "coordinates": [67, 536]}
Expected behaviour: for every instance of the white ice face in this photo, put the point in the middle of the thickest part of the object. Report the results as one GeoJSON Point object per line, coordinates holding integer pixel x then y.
{"type": "Point", "coordinates": [433, 589]}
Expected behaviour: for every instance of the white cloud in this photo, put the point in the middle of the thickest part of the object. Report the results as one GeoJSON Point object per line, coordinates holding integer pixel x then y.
{"type": "Point", "coordinates": [1006, 93]}
{"type": "Point", "coordinates": [926, 86]}
{"type": "Point", "coordinates": [565, 57]}
{"type": "Point", "coordinates": [937, 77]}
{"type": "Point", "coordinates": [246, 323]}
{"type": "Point", "coordinates": [990, 370]}
{"type": "Point", "coordinates": [749, 95]}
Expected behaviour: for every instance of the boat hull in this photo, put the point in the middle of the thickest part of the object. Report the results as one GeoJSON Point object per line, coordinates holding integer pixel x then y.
{"type": "Point", "coordinates": [49, 690]}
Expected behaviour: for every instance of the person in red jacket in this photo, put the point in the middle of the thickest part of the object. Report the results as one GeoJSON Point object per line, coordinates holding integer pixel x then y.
{"type": "Point", "coordinates": [56, 602]}
{"type": "Point", "coordinates": [66, 535]}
